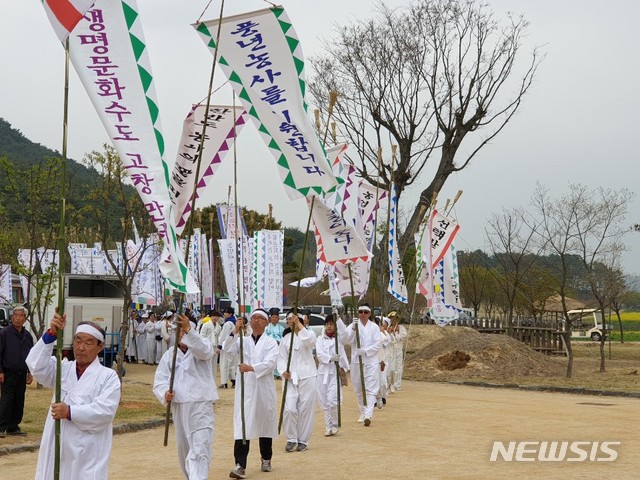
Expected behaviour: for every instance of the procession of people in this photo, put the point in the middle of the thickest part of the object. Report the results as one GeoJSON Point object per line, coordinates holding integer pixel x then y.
{"type": "Point", "coordinates": [260, 352]}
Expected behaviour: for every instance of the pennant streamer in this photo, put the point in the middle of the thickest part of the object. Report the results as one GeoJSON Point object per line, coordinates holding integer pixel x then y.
{"type": "Point", "coordinates": [261, 55]}
{"type": "Point", "coordinates": [109, 53]}
{"type": "Point", "coordinates": [218, 141]}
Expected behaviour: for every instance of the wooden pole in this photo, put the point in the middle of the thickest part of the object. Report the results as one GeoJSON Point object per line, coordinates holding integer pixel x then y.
{"type": "Point", "coordinates": [295, 310]}
{"type": "Point", "coordinates": [338, 382]}
{"type": "Point", "coordinates": [62, 248]}
{"type": "Point", "coordinates": [357, 320]}
{"type": "Point", "coordinates": [189, 230]}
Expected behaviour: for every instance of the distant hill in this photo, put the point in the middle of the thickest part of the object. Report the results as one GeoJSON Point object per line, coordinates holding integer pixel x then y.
{"type": "Point", "coordinates": [24, 153]}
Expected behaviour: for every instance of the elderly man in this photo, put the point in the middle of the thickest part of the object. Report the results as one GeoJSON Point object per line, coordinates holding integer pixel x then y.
{"type": "Point", "coordinates": [260, 353]}
{"type": "Point", "coordinates": [192, 398]}
{"type": "Point", "coordinates": [365, 339]}
{"type": "Point", "coordinates": [15, 344]}
{"type": "Point", "coordinates": [89, 400]}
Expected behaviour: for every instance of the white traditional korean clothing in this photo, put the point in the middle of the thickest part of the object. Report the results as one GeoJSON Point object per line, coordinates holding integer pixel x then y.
{"type": "Point", "coordinates": [192, 406]}
{"type": "Point", "coordinates": [259, 387]}
{"type": "Point", "coordinates": [301, 401]}
{"type": "Point", "coordinates": [326, 381]}
{"type": "Point", "coordinates": [396, 362]}
{"type": "Point", "coordinates": [85, 440]}
{"type": "Point", "coordinates": [150, 329]}
{"type": "Point", "coordinates": [141, 339]}
{"type": "Point", "coordinates": [369, 347]}
{"type": "Point", "coordinates": [210, 330]}
{"type": "Point", "coordinates": [228, 359]}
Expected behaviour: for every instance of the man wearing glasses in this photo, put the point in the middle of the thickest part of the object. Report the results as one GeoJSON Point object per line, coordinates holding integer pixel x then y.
{"type": "Point", "coordinates": [364, 337]}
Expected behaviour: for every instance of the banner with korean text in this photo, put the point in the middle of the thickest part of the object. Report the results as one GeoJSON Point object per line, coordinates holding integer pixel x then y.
{"type": "Point", "coordinates": [442, 231]}
{"type": "Point", "coordinates": [262, 57]}
{"type": "Point", "coordinates": [337, 241]}
{"type": "Point", "coordinates": [227, 220]}
{"type": "Point", "coordinates": [64, 15]}
{"type": "Point", "coordinates": [227, 249]}
{"type": "Point", "coordinates": [109, 53]}
{"type": "Point", "coordinates": [223, 124]}
{"type": "Point", "coordinates": [397, 284]}
{"type": "Point", "coordinates": [269, 259]}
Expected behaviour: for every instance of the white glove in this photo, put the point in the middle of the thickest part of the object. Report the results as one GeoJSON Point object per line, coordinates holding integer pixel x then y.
{"type": "Point", "coordinates": [361, 351]}
{"type": "Point", "coordinates": [335, 357]}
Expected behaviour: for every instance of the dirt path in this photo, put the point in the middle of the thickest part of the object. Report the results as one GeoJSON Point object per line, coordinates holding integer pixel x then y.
{"type": "Point", "coordinates": [427, 430]}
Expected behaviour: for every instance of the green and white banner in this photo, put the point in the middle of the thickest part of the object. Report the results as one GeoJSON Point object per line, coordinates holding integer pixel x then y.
{"type": "Point", "coordinates": [109, 54]}
{"type": "Point", "coordinates": [261, 55]}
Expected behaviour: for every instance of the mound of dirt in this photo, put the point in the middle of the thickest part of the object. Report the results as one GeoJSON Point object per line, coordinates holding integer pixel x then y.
{"type": "Point", "coordinates": [461, 353]}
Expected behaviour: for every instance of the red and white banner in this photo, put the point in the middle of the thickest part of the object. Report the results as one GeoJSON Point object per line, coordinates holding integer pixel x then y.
{"type": "Point", "coordinates": [337, 241]}
{"type": "Point", "coordinates": [442, 231]}
{"type": "Point", "coordinates": [223, 124]}
{"type": "Point", "coordinates": [64, 15]}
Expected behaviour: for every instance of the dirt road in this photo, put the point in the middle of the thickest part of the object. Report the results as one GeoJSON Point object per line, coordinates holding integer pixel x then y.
{"type": "Point", "coordinates": [428, 430]}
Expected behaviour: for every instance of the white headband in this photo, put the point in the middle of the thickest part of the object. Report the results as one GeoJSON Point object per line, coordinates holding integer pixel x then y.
{"type": "Point", "coordinates": [364, 307]}
{"type": "Point", "coordinates": [261, 313]}
{"type": "Point", "coordinates": [91, 330]}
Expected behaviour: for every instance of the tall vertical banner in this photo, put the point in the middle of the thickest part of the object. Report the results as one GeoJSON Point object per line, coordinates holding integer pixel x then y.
{"type": "Point", "coordinates": [5, 284]}
{"type": "Point", "coordinates": [262, 57]}
{"type": "Point", "coordinates": [109, 53]}
{"type": "Point", "coordinates": [442, 231]}
{"type": "Point", "coordinates": [64, 15]}
{"type": "Point", "coordinates": [397, 284]}
{"type": "Point", "coordinates": [206, 278]}
{"type": "Point", "coordinates": [223, 124]}
{"type": "Point", "coordinates": [227, 219]}
{"type": "Point", "coordinates": [227, 249]}
{"type": "Point", "coordinates": [446, 299]}
{"type": "Point", "coordinates": [269, 258]}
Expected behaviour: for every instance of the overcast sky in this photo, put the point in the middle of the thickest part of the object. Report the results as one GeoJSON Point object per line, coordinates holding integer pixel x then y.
{"type": "Point", "coordinates": [578, 123]}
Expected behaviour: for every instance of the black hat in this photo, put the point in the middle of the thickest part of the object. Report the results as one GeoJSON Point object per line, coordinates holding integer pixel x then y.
{"type": "Point", "coordinates": [274, 311]}
{"type": "Point", "coordinates": [229, 310]}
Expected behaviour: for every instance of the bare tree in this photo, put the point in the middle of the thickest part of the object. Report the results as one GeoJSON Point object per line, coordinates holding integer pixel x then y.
{"type": "Point", "coordinates": [599, 234]}
{"type": "Point", "coordinates": [114, 206]}
{"type": "Point", "coordinates": [511, 239]}
{"type": "Point", "coordinates": [423, 77]}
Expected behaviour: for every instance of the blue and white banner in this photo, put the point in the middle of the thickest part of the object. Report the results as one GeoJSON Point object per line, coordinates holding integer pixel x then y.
{"type": "Point", "coordinates": [397, 284]}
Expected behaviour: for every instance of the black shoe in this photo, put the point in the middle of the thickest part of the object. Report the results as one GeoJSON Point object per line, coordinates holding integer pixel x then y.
{"type": "Point", "coordinates": [17, 432]}
{"type": "Point", "coordinates": [384, 401]}
{"type": "Point", "coordinates": [3, 433]}
{"type": "Point", "coordinates": [233, 384]}
{"type": "Point", "coordinates": [224, 385]}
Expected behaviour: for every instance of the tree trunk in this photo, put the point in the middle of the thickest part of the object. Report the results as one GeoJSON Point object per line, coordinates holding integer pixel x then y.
{"type": "Point", "coordinates": [620, 325]}
{"type": "Point", "coordinates": [567, 342]}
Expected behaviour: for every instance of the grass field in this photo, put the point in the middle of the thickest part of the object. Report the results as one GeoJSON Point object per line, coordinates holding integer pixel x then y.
{"type": "Point", "coordinates": [630, 326]}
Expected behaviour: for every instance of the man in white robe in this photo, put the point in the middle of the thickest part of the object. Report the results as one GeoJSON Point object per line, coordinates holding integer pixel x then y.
{"type": "Point", "coordinates": [260, 353]}
{"type": "Point", "coordinates": [327, 380]}
{"type": "Point", "coordinates": [141, 338]}
{"type": "Point", "coordinates": [191, 400]}
{"type": "Point", "coordinates": [301, 400]}
{"type": "Point", "coordinates": [209, 327]}
{"type": "Point", "coordinates": [367, 352]}
{"type": "Point", "coordinates": [228, 360]}
{"type": "Point", "coordinates": [396, 364]}
{"type": "Point", "coordinates": [150, 330]}
{"type": "Point", "coordinates": [89, 401]}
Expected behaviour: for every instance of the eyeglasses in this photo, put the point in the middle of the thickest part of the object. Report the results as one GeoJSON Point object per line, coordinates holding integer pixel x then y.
{"type": "Point", "coordinates": [363, 311]}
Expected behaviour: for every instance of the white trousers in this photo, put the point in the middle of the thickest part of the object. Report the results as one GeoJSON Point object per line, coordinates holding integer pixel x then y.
{"type": "Point", "coordinates": [194, 425]}
{"type": "Point", "coordinates": [299, 410]}
{"type": "Point", "coordinates": [228, 366]}
{"type": "Point", "coordinates": [141, 343]}
{"type": "Point", "coordinates": [396, 367]}
{"type": "Point", "coordinates": [371, 385]}
{"type": "Point", "coordinates": [328, 398]}
{"type": "Point", "coordinates": [151, 349]}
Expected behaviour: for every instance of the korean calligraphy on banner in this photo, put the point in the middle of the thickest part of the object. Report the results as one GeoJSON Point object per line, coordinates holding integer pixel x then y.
{"type": "Point", "coordinates": [337, 241]}
{"type": "Point", "coordinates": [227, 219]}
{"type": "Point", "coordinates": [442, 231]}
{"type": "Point", "coordinates": [397, 284]}
{"type": "Point", "coordinates": [108, 52]}
{"type": "Point", "coordinates": [227, 249]}
{"type": "Point", "coordinates": [219, 134]}
{"type": "Point", "coordinates": [262, 58]}
{"type": "Point", "coordinates": [446, 291]}
{"type": "Point", "coordinates": [269, 258]}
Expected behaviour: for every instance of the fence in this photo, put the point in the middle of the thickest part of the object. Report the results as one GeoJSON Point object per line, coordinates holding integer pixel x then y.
{"type": "Point", "coordinates": [541, 335]}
